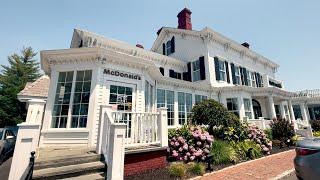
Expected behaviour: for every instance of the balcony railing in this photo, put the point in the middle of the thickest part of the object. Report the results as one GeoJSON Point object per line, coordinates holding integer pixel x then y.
{"type": "Point", "coordinates": [308, 93]}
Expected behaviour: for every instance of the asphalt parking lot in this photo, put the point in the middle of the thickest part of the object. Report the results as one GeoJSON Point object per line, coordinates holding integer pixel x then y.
{"type": "Point", "coordinates": [5, 169]}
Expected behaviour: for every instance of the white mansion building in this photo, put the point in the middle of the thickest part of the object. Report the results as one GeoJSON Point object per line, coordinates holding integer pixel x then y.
{"type": "Point", "coordinates": [183, 67]}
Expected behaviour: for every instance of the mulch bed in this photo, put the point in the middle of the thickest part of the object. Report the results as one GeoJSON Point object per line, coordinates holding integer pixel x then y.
{"type": "Point", "coordinates": [162, 174]}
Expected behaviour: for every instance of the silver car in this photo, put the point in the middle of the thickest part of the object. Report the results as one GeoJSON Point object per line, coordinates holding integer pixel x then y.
{"type": "Point", "coordinates": [7, 143]}
{"type": "Point", "coordinates": [307, 160]}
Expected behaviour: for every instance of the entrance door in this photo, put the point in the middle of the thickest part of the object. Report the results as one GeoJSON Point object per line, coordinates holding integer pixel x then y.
{"type": "Point", "coordinates": [122, 97]}
{"type": "Point", "coordinates": [256, 109]}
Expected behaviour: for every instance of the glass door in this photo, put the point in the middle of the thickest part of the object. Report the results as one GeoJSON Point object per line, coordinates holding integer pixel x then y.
{"type": "Point", "coordinates": [121, 97]}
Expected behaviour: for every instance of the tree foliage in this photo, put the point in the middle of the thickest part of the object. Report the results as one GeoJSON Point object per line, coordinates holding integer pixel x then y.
{"type": "Point", "coordinates": [22, 68]}
{"type": "Point", "coordinates": [212, 113]}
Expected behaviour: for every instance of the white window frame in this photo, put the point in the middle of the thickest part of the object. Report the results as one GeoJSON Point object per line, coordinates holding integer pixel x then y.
{"type": "Point", "coordinates": [168, 47]}
{"type": "Point", "coordinates": [185, 109]}
{"type": "Point", "coordinates": [238, 76]}
{"type": "Point", "coordinates": [165, 104]}
{"type": "Point", "coordinates": [253, 79]}
{"type": "Point", "coordinates": [200, 97]}
{"type": "Point", "coordinates": [249, 78]}
{"type": "Point", "coordinates": [247, 111]}
{"type": "Point", "coordinates": [223, 71]}
{"type": "Point", "coordinates": [73, 86]}
{"type": "Point", "coordinates": [196, 72]}
{"type": "Point", "coordinates": [237, 110]}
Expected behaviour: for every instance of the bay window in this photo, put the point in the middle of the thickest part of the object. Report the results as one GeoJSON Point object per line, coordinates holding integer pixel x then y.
{"type": "Point", "coordinates": [72, 98]}
{"type": "Point", "coordinates": [165, 98]}
{"type": "Point", "coordinates": [184, 107]}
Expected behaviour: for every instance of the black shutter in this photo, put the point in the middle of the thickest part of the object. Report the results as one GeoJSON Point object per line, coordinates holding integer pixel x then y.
{"type": "Point", "coordinates": [185, 76]}
{"type": "Point", "coordinates": [164, 49]}
{"type": "Point", "coordinates": [189, 71]}
{"type": "Point", "coordinates": [173, 48]}
{"type": "Point", "coordinates": [162, 70]}
{"type": "Point", "coordinates": [202, 68]}
{"type": "Point", "coordinates": [242, 76]}
{"type": "Point", "coordinates": [261, 81]}
{"type": "Point", "coordinates": [171, 73]}
{"type": "Point", "coordinates": [227, 71]}
{"type": "Point", "coordinates": [216, 64]}
{"type": "Point", "coordinates": [245, 76]}
{"type": "Point", "coordinates": [233, 74]}
{"type": "Point", "coordinates": [257, 79]}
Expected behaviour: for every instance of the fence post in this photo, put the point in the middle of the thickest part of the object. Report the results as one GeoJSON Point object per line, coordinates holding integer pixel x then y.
{"type": "Point", "coordinates": [116, 151]}
{"type": "Point", "coordinates": [163, 126]}
{"type": "Point", "coordinates": [26, 142]}
{"type": "Point", "coordinates": [102, 128]}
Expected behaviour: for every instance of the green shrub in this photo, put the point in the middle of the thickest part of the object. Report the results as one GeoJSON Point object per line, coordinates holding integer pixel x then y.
{"type": "Point", "coordinates": [315, 124]}
{"type": "Point", "coordinates": [212, 113]}
{"type": "Point", "coordinates": [268, 132]}
{"type": "Point", "coordinates": [177, 170]}
{"type": "Point", "coordinates": [196, 168]}
{"type": "Point", "coordinates": [316, 133]}
{"type": "Point", "coordinates": [247, 149]}
{"type": "Point", "coordinates": [222, 153]}
{"type": "Point", "coordinates": [282, 130]}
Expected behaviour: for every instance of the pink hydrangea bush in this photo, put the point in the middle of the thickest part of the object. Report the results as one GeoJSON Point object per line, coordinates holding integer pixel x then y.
{"type": "Point", "coordinates": [258, 136]}
{"type": "Point", "coordinates": [189, 143]}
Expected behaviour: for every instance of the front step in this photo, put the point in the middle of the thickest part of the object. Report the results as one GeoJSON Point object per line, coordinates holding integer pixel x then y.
{"type": "Point", "coordinates": [94, 176]}
{"type": "Point", "coordinates": [65, 161]}
{"type": "Point", "coordinates": [69, 171]}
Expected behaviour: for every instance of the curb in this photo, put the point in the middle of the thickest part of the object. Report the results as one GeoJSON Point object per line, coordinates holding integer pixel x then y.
{"type": "Point", "coordinates": [284, 174]}
{"type": "Point", "coordinates": [236, 165]}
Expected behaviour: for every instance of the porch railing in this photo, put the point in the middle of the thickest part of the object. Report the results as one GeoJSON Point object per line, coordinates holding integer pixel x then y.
{"type": "Point", "coordinates": [141, 128]}
{"type": "Point", "coordinates": [261, 123]}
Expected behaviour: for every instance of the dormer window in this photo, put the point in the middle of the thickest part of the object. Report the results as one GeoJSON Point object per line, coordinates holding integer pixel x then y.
{"type": "Point", "coordinates": [168, 47]}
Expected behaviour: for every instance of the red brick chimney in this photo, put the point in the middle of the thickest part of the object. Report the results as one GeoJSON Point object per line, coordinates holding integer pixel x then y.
{"type": "Point", "coordinates": [184, 19]}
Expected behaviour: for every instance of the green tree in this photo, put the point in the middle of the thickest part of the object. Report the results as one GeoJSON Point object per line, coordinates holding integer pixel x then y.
{"type": "Point", "coordinates": [22, 68]}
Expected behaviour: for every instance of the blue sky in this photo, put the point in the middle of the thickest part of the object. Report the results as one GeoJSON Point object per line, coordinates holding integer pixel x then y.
{"type": "Point", "coordinates": [285, 31]}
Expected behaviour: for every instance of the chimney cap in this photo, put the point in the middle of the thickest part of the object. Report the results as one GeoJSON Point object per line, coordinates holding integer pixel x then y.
{"type": "Point", "coordinates": [245, 44]}
{"type": "Point", "coordinates": [139, 46]}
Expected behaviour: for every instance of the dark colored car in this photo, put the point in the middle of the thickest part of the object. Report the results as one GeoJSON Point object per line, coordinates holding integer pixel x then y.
{"type": "Point", "coordinates": [307, 160]}
{"type": "Point", "coordinates": [7, 143]}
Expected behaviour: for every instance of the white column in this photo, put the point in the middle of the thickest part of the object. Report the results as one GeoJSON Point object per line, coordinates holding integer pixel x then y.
{"type": "Point", "coordinates": [176, 109]}
{"type": "Point", "coordinates": [283, 113]}
{"type": "Point", "coordinates": [241, 108]}
{"type": "Point", "coordinates": [271, 107]}
{"type": "Point", "coordinates": [163, 127]}
{"type": "Point", "coordinates": [292, 117]}
{"type": "Point", "coordinates": [304, 112]}
{"type": "Point", "coordinates": [26, 142]}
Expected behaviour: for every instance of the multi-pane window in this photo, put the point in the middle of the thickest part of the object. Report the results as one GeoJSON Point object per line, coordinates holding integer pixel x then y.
{"type": "Point", "coordinates": [196, 70]}
{"type": "Point", "coordinates": [222, 70]}
{"type": "Point", "coordinates": [122, 97]}
{"type": "Point", "coordinates": [184, 107]}
{"type": "Point", "coordinates": [249, 78]}
{"type": "Point", "coordinates": [168, 48]}
{"type": "Point", "coordinates": [297, 112]}
{"type": "Point", "coordinates": [148, 97]}
{"type": "Point", "coordinates": [74, 100]}
{"type": "Point", "coordinates": [232, 105]}
{"type": "Point", "coordinates": [62, 100]}
{"type": "Point", "coordinates": [247, 108]}
{"type": "Point", "coordinates": [166, 99]}
{"type": "Point", "coordinates": [199, 98]}
{"type": "Point", "coordinates": [253, 79]}
{"type": "Point", "coordinates": [81, 99]}
{"type": "Point", "coordinates": [237, 75]}
{"type": "Point", "coordinates": [286, 112]}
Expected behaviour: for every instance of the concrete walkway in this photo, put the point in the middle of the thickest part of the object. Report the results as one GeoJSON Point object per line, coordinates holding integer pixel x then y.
{"type": "Point", "coordinates": [270, 167]}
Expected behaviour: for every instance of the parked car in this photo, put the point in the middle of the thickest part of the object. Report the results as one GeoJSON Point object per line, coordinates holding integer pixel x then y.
{"type": "Point", "coordinates": [7, 143]}
{"type": "Point", "coordinates": [307, 160]}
